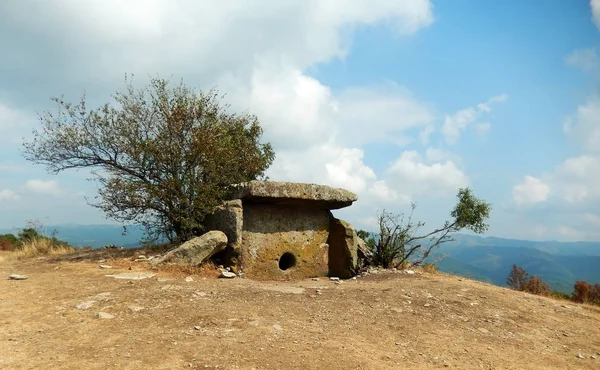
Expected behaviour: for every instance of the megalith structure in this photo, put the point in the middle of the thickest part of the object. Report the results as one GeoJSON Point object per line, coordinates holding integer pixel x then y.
{"type": "Point", "coordinates": [283, 230]}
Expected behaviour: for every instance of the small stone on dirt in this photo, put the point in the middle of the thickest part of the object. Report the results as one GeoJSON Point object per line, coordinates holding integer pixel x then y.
{"type": "Point", "coordinates": [483, 330]}
{"type": "Point", "coordinates": [197, 327]}
{"type": "Point", "coordinates": [101, 296]}
{"type": "Point", "coordinates": [163, 279]}
{"type": "Point", "coordinates": [135, 308]}
{"type": "Point", "coordinates": [579, 355]}
{"type": "Point", "coordinates": [105, 267]}
{"type": "Point", "coordinates": [105, 315]}
{"type": "Point", "coordinates": [410, 272]}
{"type": "Point", "coordinates": [17, 277]}
{"type": "Point", "coordinates": [333, 278]}
{"type": "Point", "coordinates": [189, 279]}
{"type": "Point", "coordinates": [132, 275]}
{"type": "Point", "coordinates": [85, 305]}
{"type": "Point", "coordinates": [227, 275]}
{"type": "Point", "coordinates": [427, 305]}
{"type": "Point", "coordinates": [103, 260]}
{"type": "Point", "coordinates": [277, 327]}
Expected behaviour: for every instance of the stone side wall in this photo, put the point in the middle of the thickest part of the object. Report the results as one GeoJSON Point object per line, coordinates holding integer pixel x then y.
{"type": "Point", "coordinates": [298, 235]}
{"type": "Point", "coordinates": [343, 249]}
{"type": "Point", "coordinates": [228, 219]}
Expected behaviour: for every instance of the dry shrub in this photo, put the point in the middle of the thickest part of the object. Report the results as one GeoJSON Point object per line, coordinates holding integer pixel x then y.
{"type": "Point", "coordinates": [535, 285]}
{"type": "Point", "coordinates": [582, 292]}
{"type": "Point", "coordinates": [430, 268]}
{"type": "Point", "coordinates": [42, 246]}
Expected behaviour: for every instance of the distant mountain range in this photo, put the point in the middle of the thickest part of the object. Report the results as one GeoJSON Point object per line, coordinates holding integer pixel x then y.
{"type": "Point", "coordinates": [488, 259]}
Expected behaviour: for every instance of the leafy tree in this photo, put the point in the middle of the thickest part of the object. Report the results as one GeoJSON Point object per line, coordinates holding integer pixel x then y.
{"type": "Point", "coordinates": [164, 157]}
{"type": "Point", "coordinates": [517, 278]}
{"type": "Point", "coordinates": [400, 240]}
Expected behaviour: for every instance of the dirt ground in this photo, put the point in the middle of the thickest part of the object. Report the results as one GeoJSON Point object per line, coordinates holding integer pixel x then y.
{"type": "Point", "coordinates": [382, 321]}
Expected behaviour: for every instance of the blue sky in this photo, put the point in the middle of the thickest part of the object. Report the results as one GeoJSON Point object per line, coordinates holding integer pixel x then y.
{"type": "Point", "coordinates": [396, 101]}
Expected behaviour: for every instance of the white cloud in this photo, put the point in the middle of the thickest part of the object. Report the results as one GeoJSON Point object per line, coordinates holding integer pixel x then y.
{"type": "Point", "coordinates": [455, 123]}
{"type": "Point", "coordinates": [7, 194]}
{"type": "Point", "coordinates": [578, 179]}
{"type": "Point", "coordinates": [584, 126]}
{"type": "Point", "coordinates": [426, 133]}
{"type": "Point", "coordinates": [592, 219]}
{"type": "Point", "coordinates": [381, 191]}
{"type": "Point", "coordinates": [48, 187]}
{"type": "Point", "coordinates": [415, 176]}
{"type": "Point", "coordinates": [257, 51]}
{"type": "Point", "coordinates": [14, 123]}
{"type": "Point", "coordinates": [585, 59]}
{"type": "Point", "coordinates": [531, 191]}
{"type": "Point", "coordinates": [595, 5]}
{"type": "Point", "coordinates": [483, 128]}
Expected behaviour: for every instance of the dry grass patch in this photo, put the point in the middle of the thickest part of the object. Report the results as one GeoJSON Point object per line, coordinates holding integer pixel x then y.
{"type": "Point", "coordinates": [39, 247]}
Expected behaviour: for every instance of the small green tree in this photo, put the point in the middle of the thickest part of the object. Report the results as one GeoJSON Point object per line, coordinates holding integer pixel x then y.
{"type": "Point", "coordinates": [163, 157]}
{"type": "Point", "coordinates": [400, 240]}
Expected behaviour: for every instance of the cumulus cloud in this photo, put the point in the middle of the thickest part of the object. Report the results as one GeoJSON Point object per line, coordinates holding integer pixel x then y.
{"type": "Point", "coordinates": [48, 187]}
{"type": "Point", "coordinates": [595, 5]}
{"type": "Point", "coordinates": [585, 59]}
{"type": "Point", "coordinates": [584, 125]}
{"type": "Point", "coordinates": [7, 194]}
{"type": "Point", "coordinates": [531, 191]}
{"type": "Point", "coordinates": [455, 123]}
{"type": "Point", "coordinates": [258, 52]}
{"type": "Point", "coordinates": [417, 176]}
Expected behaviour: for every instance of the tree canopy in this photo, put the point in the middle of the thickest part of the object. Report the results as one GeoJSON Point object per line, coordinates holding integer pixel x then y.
{"type": "Point", "coordinates": [163, 156]}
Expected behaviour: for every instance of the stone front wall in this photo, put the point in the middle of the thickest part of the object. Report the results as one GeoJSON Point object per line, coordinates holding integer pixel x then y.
{"type": "Point", "coordinates": [298, 234]}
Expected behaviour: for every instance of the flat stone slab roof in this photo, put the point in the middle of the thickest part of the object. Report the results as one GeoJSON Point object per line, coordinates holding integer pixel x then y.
{"type": "Point", "coordinates": [294, 193]}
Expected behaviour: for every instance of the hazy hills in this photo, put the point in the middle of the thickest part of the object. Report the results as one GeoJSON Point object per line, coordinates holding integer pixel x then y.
{"type": "Point", "coordinates": [488, 259]}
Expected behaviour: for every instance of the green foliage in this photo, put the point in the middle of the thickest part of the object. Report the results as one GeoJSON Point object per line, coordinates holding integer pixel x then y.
{"type": "Point", "coordinates": [164, 157]}
{"type": "Point", "coordinates": [399, 239]}
{"type": "Point", "coordinates": [368, 238]}
{"type": "Point", "coordinates": [28, 233]}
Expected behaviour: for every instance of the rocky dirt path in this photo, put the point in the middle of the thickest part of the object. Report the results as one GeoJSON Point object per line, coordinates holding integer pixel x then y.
{"type": "Point", "coordinates": [71, 316]}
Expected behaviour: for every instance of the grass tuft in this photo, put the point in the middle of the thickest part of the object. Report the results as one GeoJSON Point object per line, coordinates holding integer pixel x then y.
{"type": "Point", "coordinates": [39, 247]}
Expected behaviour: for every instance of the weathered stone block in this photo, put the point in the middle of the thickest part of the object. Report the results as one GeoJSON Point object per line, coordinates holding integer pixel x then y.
{"type": "Point", "coordinates": [343, 249]}
{"type": "Point", "coordinates": [291, 193]}
{"type": "Point", "coordinates": [284, 242]}
{"type": "Point", "coordinates": [196, 251]}
{"type": "Point", "coordinates": [228, 218]}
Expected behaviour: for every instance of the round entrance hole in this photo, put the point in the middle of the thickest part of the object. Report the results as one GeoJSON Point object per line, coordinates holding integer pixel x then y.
{"type": "Point", "coordinates": [287, 260]}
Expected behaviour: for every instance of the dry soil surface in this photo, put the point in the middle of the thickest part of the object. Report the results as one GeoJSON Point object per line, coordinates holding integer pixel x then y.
{"type": "Point", "coordinates": [382, 321]}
